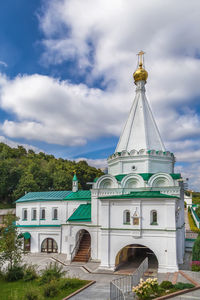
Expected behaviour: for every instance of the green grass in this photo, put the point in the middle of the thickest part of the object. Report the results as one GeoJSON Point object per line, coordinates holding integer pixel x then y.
{"type": "Point", "coordinates": [16, 290]}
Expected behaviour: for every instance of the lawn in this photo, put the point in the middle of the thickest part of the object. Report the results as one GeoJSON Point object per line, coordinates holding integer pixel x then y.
{"type": "Point", "coordinates": [16, 290]}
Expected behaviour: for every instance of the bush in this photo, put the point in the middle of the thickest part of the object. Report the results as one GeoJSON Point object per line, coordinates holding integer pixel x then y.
{"type": "Point", "coordinates": [182, 286]}
{"type": "Point", "coordinates": [195, 266]}
{"type": "Point", "coordinates": [193, 226]}
{"type": "Point", "coordinates": [70, 283]}
{"type": "Point", "coordinates": [32, 294]}
{"type": "Point", "coordinates": [30, 273]}
{"type": "Point", "coordinates": [196, 250]}
{"type": "Point", "coordinates": [51, 289]}
{"type": "Point", "coordinates": [51, 272]}
{"type": "Point", "coordinates": [166, 285]}
{"type": "Point", "coordinates": [146, 289]}
{"type": "Point", "coordinates": [15, 273]}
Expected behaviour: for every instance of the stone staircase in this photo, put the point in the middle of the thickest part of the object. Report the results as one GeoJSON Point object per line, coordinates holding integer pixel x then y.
{"type": "Point", "coordinates": [84, 251]}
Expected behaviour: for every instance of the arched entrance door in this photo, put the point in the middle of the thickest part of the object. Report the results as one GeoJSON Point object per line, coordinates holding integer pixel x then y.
{"type": "Point", "coordinates": [82, 250]}
{"type": "Point", "coordinates": [131, 256]}
{"type": "Point", "coordinates": [49, 245]}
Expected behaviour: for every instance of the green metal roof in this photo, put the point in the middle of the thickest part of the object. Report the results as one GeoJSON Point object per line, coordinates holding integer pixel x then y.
{"type": "Point", "coordinates": [75, 178]}
{"type": "Point", "coordinates": [79, 195]}
{"type": "Point", "coordinates": [44, 196]}
{"type": "Point", "coordinates": [81, 214]}
{"type": "Point", "coordinates": [146, 176]}
{"type": "Point", "coordinates": [145, 194]}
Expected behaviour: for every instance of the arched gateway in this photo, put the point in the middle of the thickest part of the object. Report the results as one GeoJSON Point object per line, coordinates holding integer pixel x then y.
{"type": "Point", "coordinates": [132, 255]}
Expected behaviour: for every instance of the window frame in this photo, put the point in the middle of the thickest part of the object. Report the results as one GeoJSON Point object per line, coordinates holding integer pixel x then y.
{"type": "Point", "coordinates": [153, 216]}
{"type": "Point", "coordinates": [25, 218]}
{"type": "Point", "coordinates": [53, 213]}
{"type": "Point", "coordinates": [32, 215]}
{"type": "Point", "coordinates": [41, 213]}
{"type": "Point", "coordinates": [126, 217]}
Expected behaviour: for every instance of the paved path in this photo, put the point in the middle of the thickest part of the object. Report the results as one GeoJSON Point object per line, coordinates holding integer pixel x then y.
{"type": "Point", "coordinates": [100, 290]}
{"type": "Point", "coordinates": [189, 296]}
{"type": "Point", "coordinates": [97, 291]}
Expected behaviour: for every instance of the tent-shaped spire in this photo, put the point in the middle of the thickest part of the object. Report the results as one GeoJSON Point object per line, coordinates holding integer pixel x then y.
{"type": "Point", "coordinates": [140, 131]}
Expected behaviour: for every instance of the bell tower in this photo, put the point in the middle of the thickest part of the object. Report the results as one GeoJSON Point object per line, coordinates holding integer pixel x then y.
{"type": "Point", "coordinates": [140, 148]}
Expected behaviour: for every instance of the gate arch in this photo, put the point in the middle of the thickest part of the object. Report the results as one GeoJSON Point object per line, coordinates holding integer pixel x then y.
{"type": "Point", "coordinates": [133, 254]}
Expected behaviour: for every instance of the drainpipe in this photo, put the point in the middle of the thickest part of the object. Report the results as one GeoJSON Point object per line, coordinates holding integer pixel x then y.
{"type": "Point", "coordinates": [109, 234]}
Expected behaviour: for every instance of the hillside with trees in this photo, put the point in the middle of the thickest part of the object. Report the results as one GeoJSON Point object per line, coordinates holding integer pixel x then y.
{"type": "Point", "coordinates": [24, 171]}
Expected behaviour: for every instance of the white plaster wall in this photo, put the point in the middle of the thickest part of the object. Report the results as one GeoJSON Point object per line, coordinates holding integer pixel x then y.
{"type": "Point", "coordinates": [142, 164]}
{"type": "Point", "coordinates": [38, 234]}
{"type": "Point", "coordinates": [165, 213]}
{"type": "Point", "coordinates": [65, 210]}
{"type": "Point", "coordinates": [162, 243]}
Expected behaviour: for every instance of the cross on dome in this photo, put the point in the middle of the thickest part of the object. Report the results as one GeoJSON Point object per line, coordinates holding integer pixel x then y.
{"type": "Point", "coordinates": [140, 73]}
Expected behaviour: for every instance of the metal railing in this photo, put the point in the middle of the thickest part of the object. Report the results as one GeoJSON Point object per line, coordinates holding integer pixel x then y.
{"type": "Point", "coordinates": [74, 251]}
{"type": "Point", "coordinates": [121, 286]}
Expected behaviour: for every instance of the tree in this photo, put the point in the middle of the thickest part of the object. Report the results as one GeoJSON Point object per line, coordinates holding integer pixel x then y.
{"type": "Point", "coordinates": [196, 250]}
{"type": "Point", "coordinates": [10, 243]}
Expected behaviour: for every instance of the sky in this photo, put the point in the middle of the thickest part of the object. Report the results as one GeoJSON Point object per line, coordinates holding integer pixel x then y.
{"type": "Point", "coordinates": [66, 68]}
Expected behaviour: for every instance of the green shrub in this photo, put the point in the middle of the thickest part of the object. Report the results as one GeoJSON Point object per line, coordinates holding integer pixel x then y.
{"type": "Point", "coordinates": [193, 226]}
{"type": "Point", "coordinates": [30, 273]}
{"type": "Point", "coordinates": [182, 286]}
{"type": "Point", "coordinates": [51, 289]}
{"type": "Point", "coordinates": [166, 285]}
{"type": "Point", "coordinates": [52, 272]}
{"type": "Point", "coordinates": [15, 273]}
{"type": "Point", "coordinates": [189, 209]}
{"type": "Point", "coordinates": [70, 283]}
{"type": "Point", "coordinates": [196, 250]}
{"type": "Point", "coordinates": [32, 294]}
{"type": "Point", "coordinates": [195, 268]}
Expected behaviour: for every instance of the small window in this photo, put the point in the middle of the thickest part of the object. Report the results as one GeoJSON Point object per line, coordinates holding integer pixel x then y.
{"type": "Point", "coordinates": [127, 217]}
{"type": "Point", "coordinates": [34, 214]}
{"type": "Point", "coordinates": [42, 214]}
{"type": "Point", "coordinates": [25, 214]}
{"type": "Point", "coordinates": [153, 217]}
{"type": "Point", "coordinates": [55, 214]}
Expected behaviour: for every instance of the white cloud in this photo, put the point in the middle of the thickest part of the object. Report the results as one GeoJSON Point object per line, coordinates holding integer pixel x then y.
{"type": "Point", "coordinates": [3, 63]}
{"type": "Point", "coordinates": [97, 163]}
{"type": "Point", "coordinates": [58, 112]}
{"type": "Point", "coordinates": [105, 36]}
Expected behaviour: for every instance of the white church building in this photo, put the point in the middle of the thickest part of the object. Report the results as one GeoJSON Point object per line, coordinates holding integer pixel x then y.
{"type": "Point", "coordinates": [135, 210]}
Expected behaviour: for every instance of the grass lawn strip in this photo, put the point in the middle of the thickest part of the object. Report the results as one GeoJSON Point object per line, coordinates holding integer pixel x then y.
{"type": "Point", "coordinates": [17, 289]}
{"type": "Point", "coordinates": [181, 292]}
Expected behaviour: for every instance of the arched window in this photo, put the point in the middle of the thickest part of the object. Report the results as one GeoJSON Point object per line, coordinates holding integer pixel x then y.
{"type": "Point", "coordinates": [55, 214]}
{"type": "Point", "coordinates": [43, 214]}
{"type": "Point", "coordinates": [154, 217]}
{"type": "Point", "coordinates": [25, 214]}
{"type": "Point", "coordinates": [127, 217]}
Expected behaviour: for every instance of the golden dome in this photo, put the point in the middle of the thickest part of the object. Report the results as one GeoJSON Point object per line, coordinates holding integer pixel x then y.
{"type": "Point", "coordinates": [140, 73]}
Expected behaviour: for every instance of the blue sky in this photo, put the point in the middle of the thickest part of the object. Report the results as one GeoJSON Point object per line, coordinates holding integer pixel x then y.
{"type": "Point", "coordinates": [66, 75]}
